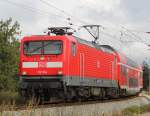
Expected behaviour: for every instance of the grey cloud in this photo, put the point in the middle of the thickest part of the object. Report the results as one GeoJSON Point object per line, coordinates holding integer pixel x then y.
{"type": "Point", "coordinates": [136, 10]}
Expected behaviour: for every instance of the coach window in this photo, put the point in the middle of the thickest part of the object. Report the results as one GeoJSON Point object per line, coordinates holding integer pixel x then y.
{"type": "Point", "coordinates": [73, 48]}
{"type": "Point", "coordinates": [133, 82]}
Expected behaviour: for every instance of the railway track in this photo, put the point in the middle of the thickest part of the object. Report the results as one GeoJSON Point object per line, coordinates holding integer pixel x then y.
{"type": "Point", "coordinates": [87, 102]}
{"type": "Point", "coordinates": [30, 106]}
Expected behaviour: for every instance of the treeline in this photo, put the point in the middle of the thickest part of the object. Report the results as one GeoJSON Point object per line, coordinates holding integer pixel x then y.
{"type": "Point", "coordinates": [9, 54]}
{"type": "Point", "coordinates": [146, 77]}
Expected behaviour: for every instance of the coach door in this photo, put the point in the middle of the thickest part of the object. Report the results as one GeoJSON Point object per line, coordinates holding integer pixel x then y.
{"type": "Point", "coordinates": [81, 62]}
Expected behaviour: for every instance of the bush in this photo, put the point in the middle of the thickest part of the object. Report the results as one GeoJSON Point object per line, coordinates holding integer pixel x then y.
{"type": "Point", "coordinates": [9, 98]}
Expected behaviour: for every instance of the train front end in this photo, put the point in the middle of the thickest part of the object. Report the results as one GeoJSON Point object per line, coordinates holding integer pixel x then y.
{"type": "Point", "coordinates": [41, 65]}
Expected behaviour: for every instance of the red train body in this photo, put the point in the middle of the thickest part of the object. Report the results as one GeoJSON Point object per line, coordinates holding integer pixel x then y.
{"type": "Point", "coordinates": [75, 67]}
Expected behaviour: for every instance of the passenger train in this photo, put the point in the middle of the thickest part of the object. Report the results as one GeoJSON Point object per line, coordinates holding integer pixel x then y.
{"type": "Point", "coordinates": [63, 66]}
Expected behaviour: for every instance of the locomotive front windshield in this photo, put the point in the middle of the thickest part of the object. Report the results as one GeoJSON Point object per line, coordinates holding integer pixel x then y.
{"type": "Point", "coordinates": [43, 47]}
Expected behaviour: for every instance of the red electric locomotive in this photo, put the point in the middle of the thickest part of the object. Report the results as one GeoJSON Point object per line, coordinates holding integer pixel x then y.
{"type": "Point", "coordinates": [67, 67]}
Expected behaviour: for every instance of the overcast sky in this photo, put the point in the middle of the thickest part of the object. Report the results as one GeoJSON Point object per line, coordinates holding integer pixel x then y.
{"type": "Point", "coordinates": [35, 16]}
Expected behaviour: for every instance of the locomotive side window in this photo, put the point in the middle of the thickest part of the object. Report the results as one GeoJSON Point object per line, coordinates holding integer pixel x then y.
{"type": "Point", "coordinates": [73, 48]}
{"type": "Point", "coordinates": [43, 47]}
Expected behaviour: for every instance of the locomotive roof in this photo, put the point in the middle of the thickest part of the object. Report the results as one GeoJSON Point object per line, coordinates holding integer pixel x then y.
{"type": "Point", "coordinates": [107, 49]}
{"type": "Point", "coordinates": [104, 48]}
{"type": "Point", "coordinates": [110, 49]}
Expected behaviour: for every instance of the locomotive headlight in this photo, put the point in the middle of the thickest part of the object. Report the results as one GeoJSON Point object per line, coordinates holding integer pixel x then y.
{"type": "Point", "coordinates": [24, 73]}
{"type": "Point", "coordinates": [59, 72]}
{"type": "Point", "coordinates": [42, 58]}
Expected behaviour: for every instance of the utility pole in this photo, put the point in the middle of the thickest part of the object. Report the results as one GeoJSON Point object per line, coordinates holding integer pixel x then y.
{"type": "Point", "coordinates": [148, 33]}
{"type": "Point", "coordinates": [149, 74]}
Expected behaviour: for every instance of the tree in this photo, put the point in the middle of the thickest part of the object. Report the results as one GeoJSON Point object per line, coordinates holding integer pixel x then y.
{"type": "Point", "coordinates": [146, 76]}
{"type": "Point", "coordinates": [9, 54]}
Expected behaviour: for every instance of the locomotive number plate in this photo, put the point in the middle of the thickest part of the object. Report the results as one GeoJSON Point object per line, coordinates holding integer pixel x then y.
{"type": "Point", "coordinates": [42, 64]}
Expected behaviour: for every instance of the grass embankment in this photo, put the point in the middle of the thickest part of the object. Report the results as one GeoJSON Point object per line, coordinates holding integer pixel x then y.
{"type": "Point", "coordinates": [8, 97]}
{"type": "Point", "coordinates": [133, 111]}
{"type": "Point", "coordinates": [12, 101]}
{"type": "Point", "coordinates": [9, 100]}
{"type": "Point", "coordinates": [136, 110]}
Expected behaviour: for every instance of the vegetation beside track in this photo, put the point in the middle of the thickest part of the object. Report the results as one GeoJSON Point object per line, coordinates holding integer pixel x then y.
{"type": "Point", "coordinates": [9, 61]}
{"type": "Point", "coordinates": [133, 111]}
{"type": "Point", "coordinates": [9, 55]}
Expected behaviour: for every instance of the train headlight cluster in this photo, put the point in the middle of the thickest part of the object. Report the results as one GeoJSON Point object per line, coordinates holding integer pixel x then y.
{"type": "Point", "coordinates": [24, 73]}
{"type": "Point", "coordinates": [59, 72]}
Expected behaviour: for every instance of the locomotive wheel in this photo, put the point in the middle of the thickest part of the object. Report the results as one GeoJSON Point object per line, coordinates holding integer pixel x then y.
{"type": "Point", "coordinates": [34, 100]}
{"type": "Point", "coordinates": [103, 91]}
{"type": "Point", "coordinates": [70, 94]}
{"type": "Point", "coordinates": [117, 93]}
{"type": "Point", "coordinates": [29, 98]}
{"type": "Point", "coordinates": [83, 94]}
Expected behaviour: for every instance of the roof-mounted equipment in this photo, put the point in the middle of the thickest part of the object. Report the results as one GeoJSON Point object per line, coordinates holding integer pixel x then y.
{"type": "Point", "coordinates": [60, 31]}
{"type": "Point", "coordinates": [94, 35]}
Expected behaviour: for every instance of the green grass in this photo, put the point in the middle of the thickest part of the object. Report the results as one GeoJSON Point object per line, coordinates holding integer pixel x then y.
{"type": "Point", "coordinates": [11, 100]}
{"type": "Point", "coordinates": [133, 111]}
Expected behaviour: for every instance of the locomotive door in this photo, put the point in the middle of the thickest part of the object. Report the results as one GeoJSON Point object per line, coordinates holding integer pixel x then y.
{"type": "Point", "coordinates": [81, 62]}
{"type": "Point", "coordinates": [114, 69]}
{"type": "Point", "coordinates": [113, 73]}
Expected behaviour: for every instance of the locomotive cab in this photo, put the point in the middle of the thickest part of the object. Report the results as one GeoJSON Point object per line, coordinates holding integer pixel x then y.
{"type": "Point", "coordinates": [42, 57]}
{"type": "Point", "coordinates": [42, 62]}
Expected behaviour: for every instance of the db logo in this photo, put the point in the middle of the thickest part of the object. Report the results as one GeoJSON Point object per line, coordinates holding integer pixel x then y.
{"type": "Point", "coordinates": [42, 64]}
